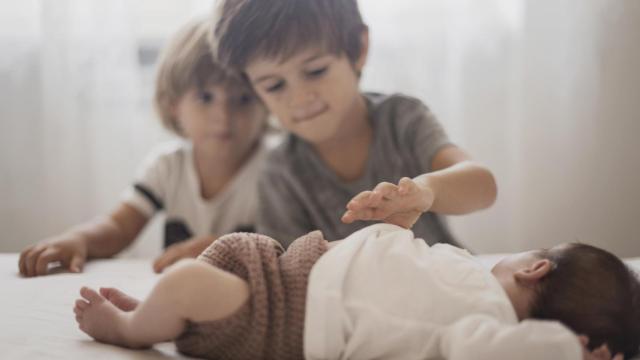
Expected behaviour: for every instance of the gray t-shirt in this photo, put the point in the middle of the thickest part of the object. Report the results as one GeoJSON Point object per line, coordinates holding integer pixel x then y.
{"type": "Point", "coordinates": [299, 194]}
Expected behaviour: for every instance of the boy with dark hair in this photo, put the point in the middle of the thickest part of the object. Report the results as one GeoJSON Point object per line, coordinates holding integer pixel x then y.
{"type": "Point", "coordinates": [346, 148]}
{"type": "Point", "coordinates": [381, 293]}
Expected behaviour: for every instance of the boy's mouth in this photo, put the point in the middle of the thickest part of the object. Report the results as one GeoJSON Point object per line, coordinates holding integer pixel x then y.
{"type": "Point", "coordinates": [222, 136]}
{"type": "Point", "coordinates": [311, 115]}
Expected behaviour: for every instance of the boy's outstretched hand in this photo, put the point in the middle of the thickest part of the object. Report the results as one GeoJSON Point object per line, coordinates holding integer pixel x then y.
{"type": "Point", "coordinates": [400, 204]}
{"type": "Point", "coordinates": [600, 353]}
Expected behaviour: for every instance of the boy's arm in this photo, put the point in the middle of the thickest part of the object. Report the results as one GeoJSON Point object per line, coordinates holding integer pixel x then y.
{"type": "Point", "coordinates": [450, 183]}
{"type": "Point", "coordinates": [103, 237]}
{"type": "Point", "coordinates": [459, 185]}
{"type": "Point", "coordinates": [456, 186]}
{"type": "Point", "coordinates": [109, 235]}
{"type": "Point", "coordinates": [482, 337]}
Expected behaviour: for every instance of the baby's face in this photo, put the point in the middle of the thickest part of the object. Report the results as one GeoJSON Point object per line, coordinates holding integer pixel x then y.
{"type": "Point", "coordinates": [223, 119]}
{"type": "Point", "coordinates": [312, 92]}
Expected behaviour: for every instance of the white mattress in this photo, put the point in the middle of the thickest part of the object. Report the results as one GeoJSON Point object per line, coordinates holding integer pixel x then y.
{"type": "Point", "coordinates": [36, 316]}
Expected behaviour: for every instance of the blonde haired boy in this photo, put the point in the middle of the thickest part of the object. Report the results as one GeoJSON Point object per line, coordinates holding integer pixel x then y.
{"type": "Point", "coordinates": [205, 183]}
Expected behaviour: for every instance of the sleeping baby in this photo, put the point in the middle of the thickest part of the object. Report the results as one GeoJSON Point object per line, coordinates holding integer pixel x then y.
{"type": "Point", "coordinates": [379, 293]}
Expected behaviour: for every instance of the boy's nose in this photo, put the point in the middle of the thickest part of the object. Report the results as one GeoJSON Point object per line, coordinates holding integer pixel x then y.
{"type": "Point", "coordinates": [304, 103]}
{"type": "Point", "coordinates": [222, 116]}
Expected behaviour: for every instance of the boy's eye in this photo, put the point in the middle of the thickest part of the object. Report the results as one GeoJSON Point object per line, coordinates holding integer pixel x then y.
{"type": "Point", "coordinates": [317, 72]}
{"type": "Point", "coordinates": [205, 96]}
{"type": "Point", "coordinates": [275, 87]}
{"type": "Point", "coordinates": [244, 100]}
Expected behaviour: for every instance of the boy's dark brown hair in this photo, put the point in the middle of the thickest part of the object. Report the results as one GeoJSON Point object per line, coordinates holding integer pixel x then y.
{"type": "Point", "coordinates": [277, 29]}
{"type": "Point", "coordinates": [595, 294]}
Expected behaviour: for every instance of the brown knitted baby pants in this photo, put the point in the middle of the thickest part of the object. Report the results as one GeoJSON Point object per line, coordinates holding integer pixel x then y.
{"type": "Point", "coordinates": [270, 324]}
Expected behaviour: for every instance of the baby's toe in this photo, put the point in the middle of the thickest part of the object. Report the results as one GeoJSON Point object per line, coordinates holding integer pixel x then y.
{"type": "Point", "coordinates": [91, 295]}
{"type": "Point", "coordinates": [81, 304]}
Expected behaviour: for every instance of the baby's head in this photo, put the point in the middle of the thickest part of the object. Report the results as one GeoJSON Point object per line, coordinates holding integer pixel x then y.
{"type": "Point", "coordinates": [303, 58]}
{"type": "Point", "coordinates": [200, 100]}
{"type": "Point", "coordinates": [586, 288]}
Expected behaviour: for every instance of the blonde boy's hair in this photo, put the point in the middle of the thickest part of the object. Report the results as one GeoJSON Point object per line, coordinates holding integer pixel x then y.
{"type": "Point", "coordinates": [187, 62]}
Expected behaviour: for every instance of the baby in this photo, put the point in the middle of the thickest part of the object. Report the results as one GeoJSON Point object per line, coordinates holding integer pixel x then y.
{"type": "Point", "coordinates": [379, 293]}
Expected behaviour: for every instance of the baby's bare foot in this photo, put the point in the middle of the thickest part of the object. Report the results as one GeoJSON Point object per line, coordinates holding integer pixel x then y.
{"type": "Point", "coordinates": [121, 300]}
{"type": "Point", "coordinates": [99, 318]}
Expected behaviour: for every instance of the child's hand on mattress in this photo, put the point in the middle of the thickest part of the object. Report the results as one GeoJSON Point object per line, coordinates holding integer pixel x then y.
{"type": "Point", "coordinates": [69, 250]}
{"type": "Point", "coordinates": [600, 353]}
{"type": "Point", "coordinates": [400, 204]}
{"type": "Point", "coordinates": [185, 249]}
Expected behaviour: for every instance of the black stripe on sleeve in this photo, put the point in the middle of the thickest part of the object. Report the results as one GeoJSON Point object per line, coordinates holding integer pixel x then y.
{"type": "Point", "coordinates": [149, 195]}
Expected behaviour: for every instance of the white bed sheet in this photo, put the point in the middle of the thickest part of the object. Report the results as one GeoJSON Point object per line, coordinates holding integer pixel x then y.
{"type": "Point", "coordinates": [36, 316]}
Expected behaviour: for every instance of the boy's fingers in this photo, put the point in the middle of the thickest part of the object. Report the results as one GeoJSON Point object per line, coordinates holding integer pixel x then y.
{"type": "Point", "coordinates": [169, 257]}
{"type": "Point", "coordinates": [405, 185]}
{"type": "Point", "coordinates": [22, 261]}
{"type": "Point", "coordinates": [77, 263]}
{"type": "Point", "coordinates": [618, 356]}
{"type": "Point", "coordinates": [351, 216]}
{"type": "Point", "coordinates": [347, 217]}
{"type": "Point", "coordinates": [90, 295]}
{"type": "Point", "coordinates": [32, 259]}
{"type": "Point", "coordinates": [49, 255]}
{"type": "Point", "coordinates": [364, 214]}
{"type": "Point", "coordinates": [359, 201]}
{"type": "Point", "coordinates": [385, 189]}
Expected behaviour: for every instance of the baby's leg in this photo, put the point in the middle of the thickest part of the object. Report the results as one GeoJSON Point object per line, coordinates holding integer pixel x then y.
{"type": "Point", "coordinates": [190, 290]}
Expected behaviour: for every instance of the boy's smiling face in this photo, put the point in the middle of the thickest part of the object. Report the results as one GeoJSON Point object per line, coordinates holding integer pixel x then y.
{"type": "Point", "coordinates": [313, 93]}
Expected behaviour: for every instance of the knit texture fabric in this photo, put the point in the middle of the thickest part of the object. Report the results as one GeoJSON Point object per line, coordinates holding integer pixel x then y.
{"type": "Point", "coordinates": [270, 324]}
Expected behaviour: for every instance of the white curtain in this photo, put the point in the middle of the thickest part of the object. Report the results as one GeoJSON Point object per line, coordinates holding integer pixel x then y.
{"type": "Point", "coordinates": [546, 93]}
{"type": "Point", "coordinates": [75, 110]}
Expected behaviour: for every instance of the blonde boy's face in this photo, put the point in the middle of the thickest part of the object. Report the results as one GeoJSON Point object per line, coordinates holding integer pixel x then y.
{"type": "Point", "coordinates": [312, 93]}
{"type": "Point", "coordinates": [217, 118]}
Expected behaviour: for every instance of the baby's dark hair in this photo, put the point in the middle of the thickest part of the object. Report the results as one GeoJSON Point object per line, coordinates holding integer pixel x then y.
{"type": "Point", "coordinates": [277, 29]}
{"type": "Point", "coordinates": [593, 293]}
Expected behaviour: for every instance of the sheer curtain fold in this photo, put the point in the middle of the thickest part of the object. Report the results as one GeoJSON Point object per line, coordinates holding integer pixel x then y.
{"type": "Point", "coordinates": [74, 88]}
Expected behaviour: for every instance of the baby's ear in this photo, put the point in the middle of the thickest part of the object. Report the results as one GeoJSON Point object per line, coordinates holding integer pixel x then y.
{"type": "Point", "coordinates": [534, 272]}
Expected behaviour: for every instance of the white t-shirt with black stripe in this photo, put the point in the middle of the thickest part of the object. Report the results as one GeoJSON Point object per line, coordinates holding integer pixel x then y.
{"type": "Point", "coordinates": [167, 181]}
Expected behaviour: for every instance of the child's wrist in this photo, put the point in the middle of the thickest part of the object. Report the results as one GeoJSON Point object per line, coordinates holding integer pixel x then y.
{"type": "Point", "coordinates": [427, 188]}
